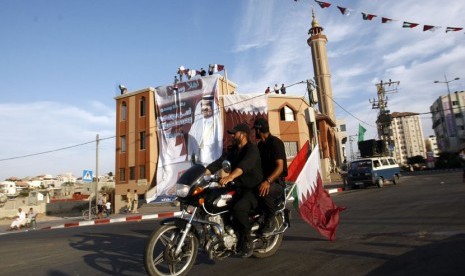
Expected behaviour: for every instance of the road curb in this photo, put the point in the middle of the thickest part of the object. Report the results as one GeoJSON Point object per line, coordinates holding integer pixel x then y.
{"type": "Point", "coordinates": [114, 220]}
{"type": "Point", "coordinates": [335, 190]}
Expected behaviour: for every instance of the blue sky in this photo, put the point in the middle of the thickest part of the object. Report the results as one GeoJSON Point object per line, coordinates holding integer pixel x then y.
{"type": "Point", "coordinates": [61, 63]}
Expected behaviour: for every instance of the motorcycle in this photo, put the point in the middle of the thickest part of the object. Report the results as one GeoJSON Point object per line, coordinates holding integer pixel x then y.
{"type": "Point", "coordinates": [206, 223]}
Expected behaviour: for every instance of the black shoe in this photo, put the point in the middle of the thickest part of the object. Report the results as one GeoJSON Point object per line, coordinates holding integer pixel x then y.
{"type": "Point", "coordinates": [247, 250]}
{"type": "Point", "coordinates": [269, 227]}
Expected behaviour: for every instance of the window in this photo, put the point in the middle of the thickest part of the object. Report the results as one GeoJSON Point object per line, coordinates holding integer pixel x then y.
{"type": "Point", "coordinates": [287, 114]}
{"type": "Point", "coordinates": [123, 143]}
{"type": "Point", "coordinates": [122, 174]}
{"type": "Point", "coordinates": [142, 172]}
{"type": "Point", "coordinates": [142, 106]}
{"type": "Point", "coordinates": [455, 103]}
{"type": "Point", "coordinates": [291, 149]}
{"type": "Point", "coordinates": [132, 173]}
{"type": "Point", "coordinates": [343, 127]}
{"type": "Point", "coordinates": [384, 162]}
{"type": "Point", "coordinates": [142, 140]}
{"type": "Point", "coordinates": [123, 111]}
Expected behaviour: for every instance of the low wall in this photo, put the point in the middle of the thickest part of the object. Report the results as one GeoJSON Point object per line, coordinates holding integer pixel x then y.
{"type": "Point", "coordinates": [11, 212]}
{"type": "Point", "coordinates": [66, 208]}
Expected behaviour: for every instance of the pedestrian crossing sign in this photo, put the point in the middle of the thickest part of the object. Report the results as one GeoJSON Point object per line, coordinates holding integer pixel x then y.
{"type": "Point", "coordinates": [87, 176]}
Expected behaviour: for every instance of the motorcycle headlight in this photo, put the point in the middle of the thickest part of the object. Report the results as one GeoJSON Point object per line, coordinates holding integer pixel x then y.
{"type": "Point", "coordinates": [182, 190]}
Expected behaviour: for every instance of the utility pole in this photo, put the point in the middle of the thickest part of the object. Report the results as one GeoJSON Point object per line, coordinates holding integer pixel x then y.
{"type": "Point", "coordinates": [383, 122]}
{"type": "Point", "coordinates": [352, 155]}
{"type": "Point", "coordinates": [96, 170]}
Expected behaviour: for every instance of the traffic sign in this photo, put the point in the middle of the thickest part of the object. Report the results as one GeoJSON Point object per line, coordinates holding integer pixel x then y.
{"type": "Point", "coordinates": [87, 176]}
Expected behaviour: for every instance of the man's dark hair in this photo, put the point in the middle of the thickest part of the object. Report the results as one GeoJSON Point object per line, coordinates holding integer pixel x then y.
{"type": "Point", "coordinates": [262, 125]}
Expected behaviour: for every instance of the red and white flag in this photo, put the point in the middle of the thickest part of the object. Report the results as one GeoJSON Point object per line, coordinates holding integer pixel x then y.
{"type": "Point", "coordinates": [312, 201]}
{"type": "Point", "coordinates": [219, 67]}
{"type": "Point", "coordinates": [386, 20]}
{"type": "Point", "coordinates": [323, 4]}
{"type": "Point", "coordinates": [344, 11]}
{"type": "Point", "coordinates": [453, 29]}
{"type": "Point", "coordinates": [430, 28]}
{"type": "Point", "coordinates": [367, 16]}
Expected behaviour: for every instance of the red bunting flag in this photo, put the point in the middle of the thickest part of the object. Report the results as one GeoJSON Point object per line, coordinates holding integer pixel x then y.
{"type": "Point", "coordinates": [386, 20]}
{"type": "Point", "coordinates": [430, 28]}
{"type": "Point", "coordinates": [409, 25]}
{"type": "Point", "coordinates": [323, 4]}
{"type": "Point", "coordinates": [453, 29]}
{"type": "Point", "coordinates": [344, 11]}
{"type": "Point", "coordinates": [367, 16]}
{"type": "Point", "coordinates": [220, 67]}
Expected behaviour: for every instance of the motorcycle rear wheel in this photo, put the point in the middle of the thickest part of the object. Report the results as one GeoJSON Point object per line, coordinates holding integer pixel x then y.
{"type": "Point", "coordinates": [273, 242]}
{"type": "Point", "coordinates": [159, 254]}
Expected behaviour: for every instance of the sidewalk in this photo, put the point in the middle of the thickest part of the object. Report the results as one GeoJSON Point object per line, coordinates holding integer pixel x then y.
{"type": "Point", "coordinates": [146, 212]}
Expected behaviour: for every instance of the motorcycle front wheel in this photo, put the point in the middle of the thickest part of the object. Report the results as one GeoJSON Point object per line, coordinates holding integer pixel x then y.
{"type": "Point", "coordinates": [160, 257]}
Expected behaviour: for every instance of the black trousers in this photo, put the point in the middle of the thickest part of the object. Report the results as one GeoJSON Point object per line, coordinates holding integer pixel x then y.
{"type": "Point", "coordinates": [246, 202]}
{"type": "Point", "coordinates": [270, 202]}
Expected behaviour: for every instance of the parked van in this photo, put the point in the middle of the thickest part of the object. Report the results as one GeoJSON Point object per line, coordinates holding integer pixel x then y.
{"type": "Point", "coordinates": [373, 171]}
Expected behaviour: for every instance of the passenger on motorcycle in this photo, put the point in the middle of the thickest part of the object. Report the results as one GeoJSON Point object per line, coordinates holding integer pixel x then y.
{"type": "Point", "coordinates": [247, 175]}
{"type": "Point", "coordinates": [274, 167]}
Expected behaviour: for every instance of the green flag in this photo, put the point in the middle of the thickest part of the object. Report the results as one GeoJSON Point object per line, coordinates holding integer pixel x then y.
{"type": "Point", "coordinates": [361, 132]}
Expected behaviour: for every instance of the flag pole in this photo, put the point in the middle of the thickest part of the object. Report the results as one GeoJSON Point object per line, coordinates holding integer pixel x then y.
{"type": "Point", "coordinates": [290, 192]}
{"type": "Point", "coordinates": [226, 77]}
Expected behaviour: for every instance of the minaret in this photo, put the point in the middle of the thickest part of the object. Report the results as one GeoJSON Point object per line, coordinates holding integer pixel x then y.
{"type": "Point", "coordinates": [317, 42]}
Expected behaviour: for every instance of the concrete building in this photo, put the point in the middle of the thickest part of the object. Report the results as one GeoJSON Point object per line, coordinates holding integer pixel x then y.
{"type": "Point", "coordinates": [432, 150]}
{"type": "Point", "coordinates": [342, 137]}
{"type": "Point", "coordinates": [431, 145]}
{"type": "Point", "coordinates": [407, 134]}
{"type": "Point", "coordinates": [448, 121]}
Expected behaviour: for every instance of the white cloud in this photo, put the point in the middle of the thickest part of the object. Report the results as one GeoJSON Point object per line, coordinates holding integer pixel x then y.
{"type": "Point", "coordinates": [48, 126]}
{"type": "Point", "coordinates": [255, 29]}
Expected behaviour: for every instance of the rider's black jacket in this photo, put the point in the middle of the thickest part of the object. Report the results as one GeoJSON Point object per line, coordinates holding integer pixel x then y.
{"type": "Point", "coordinates": [271, 150]}
{"type": "Point", "coordinates": [248, 160]}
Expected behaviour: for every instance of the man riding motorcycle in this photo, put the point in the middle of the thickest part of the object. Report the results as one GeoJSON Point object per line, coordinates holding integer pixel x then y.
{"type": "Point", "coordinates": [274, 166]}
{"type": "Point", "coordinates": [247, 175]}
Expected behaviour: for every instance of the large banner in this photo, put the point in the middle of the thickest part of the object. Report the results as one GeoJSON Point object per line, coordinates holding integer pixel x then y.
{"type": "Point", "coordinates": [243, 108]}
{"type": "Point", "coordinates": [189, 124]}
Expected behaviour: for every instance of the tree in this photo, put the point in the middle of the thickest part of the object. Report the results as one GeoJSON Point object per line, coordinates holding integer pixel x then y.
{"type": "Point", "coordinates": [447, 160]}
{"type": "Point", "coordinates": [418, 159]}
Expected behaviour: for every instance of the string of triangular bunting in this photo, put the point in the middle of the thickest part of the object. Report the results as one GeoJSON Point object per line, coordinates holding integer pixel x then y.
{"type": "Point", "coordinates": [370, 17]}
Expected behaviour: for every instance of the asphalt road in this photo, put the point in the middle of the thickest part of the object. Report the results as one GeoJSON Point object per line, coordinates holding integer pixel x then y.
{"type": "Point", "coordinates": [414, 228]}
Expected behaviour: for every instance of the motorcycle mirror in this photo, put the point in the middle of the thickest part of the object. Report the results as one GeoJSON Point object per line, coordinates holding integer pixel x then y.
{"type": "Point", "coordinates": [226, 166]}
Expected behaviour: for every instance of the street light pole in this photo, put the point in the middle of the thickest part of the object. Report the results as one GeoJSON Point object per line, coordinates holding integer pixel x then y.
{"type": "Point", "coordinates": [451, 111]}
